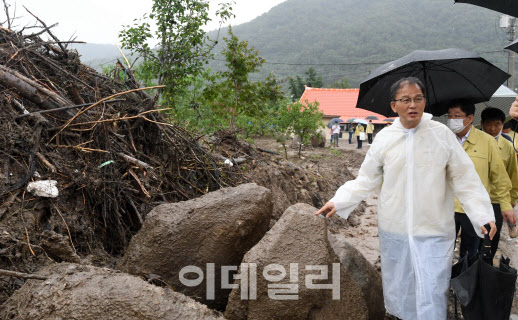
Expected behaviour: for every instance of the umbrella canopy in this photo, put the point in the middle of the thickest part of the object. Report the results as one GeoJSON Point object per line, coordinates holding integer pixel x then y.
{"type": "Point", "coordinates": [361, 121]}
{"type": "Point", "coordinates": [334, 121]}
{"type": "Point", "coordinates": [513, 46]}
{"type": "Point", "coordinates": [371, 118]}
{"type": "Point", "coordinates": [389, 120]}
{"type": "Point", "coordinates": [447, 74]}
{"type": "Point", "coordinates": [509, 7]}
{"type": "Point", "coordinates": [351, 120]}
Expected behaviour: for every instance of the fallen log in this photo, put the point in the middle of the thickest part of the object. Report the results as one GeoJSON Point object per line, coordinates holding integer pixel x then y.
{"type": "Point", "coordinates": [31, 90]}
{"type": "Point", "coordinates": [268, 151]}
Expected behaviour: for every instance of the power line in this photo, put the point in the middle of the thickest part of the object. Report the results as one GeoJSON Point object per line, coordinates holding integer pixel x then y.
{"type": "Point", "coordinates": [320, 64]}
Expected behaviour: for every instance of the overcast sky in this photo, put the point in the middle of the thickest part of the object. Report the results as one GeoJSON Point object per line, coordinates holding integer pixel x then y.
{"type": "Point", "coordinates": [99, 21]}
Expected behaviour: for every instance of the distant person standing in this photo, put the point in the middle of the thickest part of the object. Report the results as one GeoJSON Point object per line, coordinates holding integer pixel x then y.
{"type": "Point", "coordinates": [359, 130]}
{"type": "Point", "coordinates": [335, 131]}
{"type": "Point", "coordinates": [351, 133]}
{"type": "Point", "coordinates": [370, 131]}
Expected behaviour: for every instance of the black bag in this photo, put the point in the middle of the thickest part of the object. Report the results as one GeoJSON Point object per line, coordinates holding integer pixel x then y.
{"type": "Point", "coordinates": [484, 292]}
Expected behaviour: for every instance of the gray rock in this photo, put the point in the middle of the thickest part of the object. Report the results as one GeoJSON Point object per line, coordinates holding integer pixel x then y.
{"type": "Point", "coordinates": [367, 277]}
{"type": "Point", "coordinates": [354, 220]}
{"type": "Point", "coordinates": [298, 238]}
{"type": "Point", "coordinates": [89, 293]}
{"type": "Point", "coordinates": [217, 228]}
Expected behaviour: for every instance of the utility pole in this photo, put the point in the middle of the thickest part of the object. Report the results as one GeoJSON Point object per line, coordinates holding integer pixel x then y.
{"type": "Point", "coordinates": [508, 23]}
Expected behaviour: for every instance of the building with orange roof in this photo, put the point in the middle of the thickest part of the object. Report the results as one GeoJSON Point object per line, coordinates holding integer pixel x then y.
{"type": "Point", "coordinates": [338, 103]}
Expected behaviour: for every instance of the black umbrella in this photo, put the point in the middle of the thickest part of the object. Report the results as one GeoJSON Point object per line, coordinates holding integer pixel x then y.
{"type": "Point", "coordinates": [509, 7]}
{"type": "Point", "coordinates": [484, 292]}
{"type": "Point", "coordinates": [371, 118]}
{"type": "Point", "coordinates": [448, 75]}
{"type": "Point", "coordinates": [513, 46]}
{"type": "Point", "coordinates": [334, 121]}
{"type": "Point", "coordinates": [389, 120]}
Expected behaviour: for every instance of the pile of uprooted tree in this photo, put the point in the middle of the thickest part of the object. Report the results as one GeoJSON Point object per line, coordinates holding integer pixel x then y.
{"type": "Point", "coordinates": [100, 146]}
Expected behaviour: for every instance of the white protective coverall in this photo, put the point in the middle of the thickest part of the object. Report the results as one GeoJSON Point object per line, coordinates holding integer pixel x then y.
{"type": "Point", "coordinates": [417, 172]}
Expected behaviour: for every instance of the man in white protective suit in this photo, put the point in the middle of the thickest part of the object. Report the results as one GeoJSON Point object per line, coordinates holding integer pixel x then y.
{"type": "Point", "coordinates": [417, 166]}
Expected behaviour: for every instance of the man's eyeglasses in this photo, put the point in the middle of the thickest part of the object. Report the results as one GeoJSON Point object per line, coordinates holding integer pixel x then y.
{"type": "Point", "coordinates": [407, 101]}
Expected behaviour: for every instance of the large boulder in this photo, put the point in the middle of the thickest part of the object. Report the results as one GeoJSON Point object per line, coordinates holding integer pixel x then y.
{"type": "Point", "coordinates": [74, 291]}
{"type": "Point", "coordinates": [367, 277]}
{"type": "Point", "coordinates": [208, 233]}
{"type": "Point", "coordinates": [298, 240]}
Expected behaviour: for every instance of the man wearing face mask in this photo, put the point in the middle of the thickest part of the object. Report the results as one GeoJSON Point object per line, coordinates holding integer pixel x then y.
{"type": "Point", "coordinates": [484, 153]}
{"type": "Point", "coordinates": [492, 123]}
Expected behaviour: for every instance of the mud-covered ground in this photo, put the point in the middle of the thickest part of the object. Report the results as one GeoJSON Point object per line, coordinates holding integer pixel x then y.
{"type": "Point", "coordinates": [311, 178]}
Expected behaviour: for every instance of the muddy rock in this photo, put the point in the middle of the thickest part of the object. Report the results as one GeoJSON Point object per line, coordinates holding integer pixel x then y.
{"type": "Point", "coordinates": [74, 291]}
{"type": "Point", "coordinates": [298, 240]}
{"type": "Point", "coordinates": [365, 275]}
{"type": "Point", "coordinates": [354, 220]}
{"type": "Point", "coordinates": [209, 232]}
{"type": "Point", "coordinates": [58, 247]}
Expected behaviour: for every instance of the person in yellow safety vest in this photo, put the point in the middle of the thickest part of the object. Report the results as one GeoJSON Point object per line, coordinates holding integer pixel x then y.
{"type": "Point", "coordinates": [359, 129]}
{"type": "Point", "coordinates": [370, 131]}
{"type": "Point", "coordinates": [484, 152]}
{"type": "Point", "coordinates": [492, 124]}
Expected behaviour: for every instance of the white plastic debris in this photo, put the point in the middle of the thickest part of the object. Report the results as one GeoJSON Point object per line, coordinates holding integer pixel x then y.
{"type": "Point", "coordinates": [228, 163]}
{"type": "Point", "coordinates": [44, 188]}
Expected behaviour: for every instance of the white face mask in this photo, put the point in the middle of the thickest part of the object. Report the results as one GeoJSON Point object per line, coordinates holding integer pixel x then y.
{"type": "Point", "coordinates": [498, 135]}
{"type": "Point", "coordinates": [456, 125]}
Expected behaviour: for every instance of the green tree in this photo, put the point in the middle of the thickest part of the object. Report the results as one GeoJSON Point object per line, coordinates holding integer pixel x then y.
{"type": "Point", "coordinates": [341, 84]}
{"type": "Point", "coordinates": [296, 85]}
{"type": "Point", "coordinates": [183, 45]}
{"type": "Point", "coordinates": [300, 119]}
{"type": "Point", "coordinates": [235, 94]}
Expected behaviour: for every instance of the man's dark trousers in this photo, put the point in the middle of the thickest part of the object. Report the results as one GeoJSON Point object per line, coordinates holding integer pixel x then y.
{"type": "Point", "coordinates": [369, 135]}
{"type": "Point", "coordinates": [499, 221]}
{"type": "Point", "coordinates": [469, 240]}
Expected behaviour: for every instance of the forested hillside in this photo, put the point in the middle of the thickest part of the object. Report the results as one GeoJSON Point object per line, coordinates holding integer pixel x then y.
{"type": "Point", "coordinates": [343, 38]}
{"type": "Point", "coordinates": [348, 38]}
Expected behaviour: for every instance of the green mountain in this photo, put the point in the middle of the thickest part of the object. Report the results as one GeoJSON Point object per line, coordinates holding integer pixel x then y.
{"type": "Point", "coordinates": [349, 38]}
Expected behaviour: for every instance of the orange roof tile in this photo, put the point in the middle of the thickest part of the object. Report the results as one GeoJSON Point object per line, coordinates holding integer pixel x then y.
{"type": "Point", "coordinates": [338, 102]}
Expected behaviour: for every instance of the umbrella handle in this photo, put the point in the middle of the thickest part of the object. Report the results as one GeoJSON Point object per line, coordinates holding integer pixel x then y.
{"type": "Point", "coordinates": [485, 248]}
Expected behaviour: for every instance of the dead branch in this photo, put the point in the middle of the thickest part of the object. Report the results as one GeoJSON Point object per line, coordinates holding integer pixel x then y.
{"type": "Point", "coordinates": [134, 161]}
{"type": "Point", "coordinates": [134, 175]}
{"type": "Point", "coordinates": [101, 101]}
{"type": "Point", "coordinates": [22, 275]}
{"type": "Point", "coordinates": [64, 51]}
{"type": "Point", "coordinates": [30, 89]}
{"type": "Point", "coordinates": [268, 151]}
{"type": "Point", "coordinates": [46, 162]}
{"type": "Point", "coordinates": [40, 32]}
{"type": "Point", "coordinates": [63, 108]}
